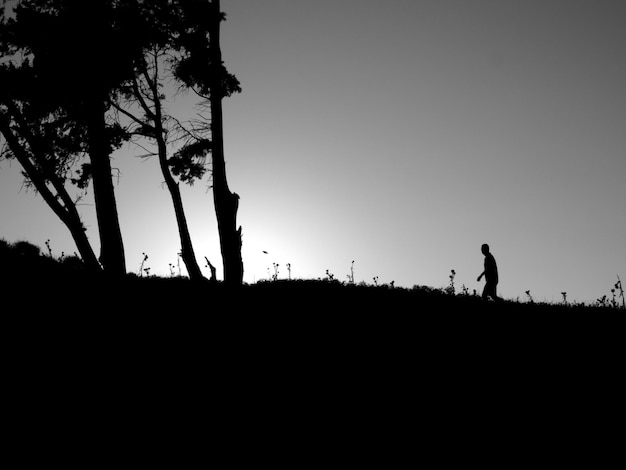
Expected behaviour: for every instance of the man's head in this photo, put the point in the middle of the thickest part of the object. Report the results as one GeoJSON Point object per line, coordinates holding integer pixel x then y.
{"type": "Point", "coordinates": [484, 248]}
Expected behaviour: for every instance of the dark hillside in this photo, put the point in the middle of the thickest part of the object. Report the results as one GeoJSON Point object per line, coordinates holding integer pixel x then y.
{"type": "Point", "coordinates": [50, 297]}
{"type": "Point", "coordinates": [38, 282]}
{"type": "Point", "coordinates": [317, 359]}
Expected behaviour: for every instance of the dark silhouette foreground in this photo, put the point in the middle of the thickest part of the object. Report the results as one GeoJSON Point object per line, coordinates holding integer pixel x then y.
{"type": "Point", "coordinates": [34, 283]}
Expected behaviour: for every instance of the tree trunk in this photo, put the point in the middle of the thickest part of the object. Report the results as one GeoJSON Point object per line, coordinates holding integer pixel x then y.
{"type": "Point", "coordinates": [111, 245]}
{"type": "Point", "coordinates": [67, 211]}
{"type": "Point", "coordinates": [226, 202]}
{"type": "Point", "coordinates": [187, 252]}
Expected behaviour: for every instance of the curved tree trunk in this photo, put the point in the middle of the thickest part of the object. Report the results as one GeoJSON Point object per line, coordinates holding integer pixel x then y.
{"type": "Point", "coordinates": [187, 252]}
{"type": "Point", "coordinates": [66, 211]}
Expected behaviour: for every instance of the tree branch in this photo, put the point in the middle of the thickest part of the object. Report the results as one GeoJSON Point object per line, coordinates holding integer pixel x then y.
{"type": "Point", "coordinates": [140, 97]}
{"type": "Point", "coordinates": [127, 113]}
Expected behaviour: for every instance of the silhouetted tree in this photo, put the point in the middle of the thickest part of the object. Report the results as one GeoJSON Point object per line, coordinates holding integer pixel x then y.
{"type": "Point", "coordinates": [185, 39]}
{"type": "Point", "coordinates": [220, 84]}
{"type": "Point", "coordinates": [141, 102]}
{"type": "Point", "coordinates": [42, 141]}
{"type": "Point", "coordinates": [42, 173]}
{"type": "Point", "coordinates": [77, 54]}
{"type": "Point", "coordinates": [85, 57]}
{"type": "Point", "coordinates": [150, 122]}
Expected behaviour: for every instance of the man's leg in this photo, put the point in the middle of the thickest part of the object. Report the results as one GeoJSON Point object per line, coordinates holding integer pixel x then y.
{"type": "Point", "coordinates": [490, 291]}
{"type": "Point", "coordinates": [494, 295]}
{"type": "Point", "coordinates": [486, 292]}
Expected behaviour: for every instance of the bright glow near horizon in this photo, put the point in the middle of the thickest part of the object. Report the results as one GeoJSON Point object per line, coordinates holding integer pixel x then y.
{"type": "Point", "coordinates": [402, 135]}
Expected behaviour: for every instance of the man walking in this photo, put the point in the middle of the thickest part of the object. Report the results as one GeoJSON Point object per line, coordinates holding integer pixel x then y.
{"type": "Point", "coordinates": [490, 273]}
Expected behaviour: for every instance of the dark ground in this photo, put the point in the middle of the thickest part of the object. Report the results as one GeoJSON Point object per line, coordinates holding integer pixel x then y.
{"type": "Point", "coordinates": [302, 371]}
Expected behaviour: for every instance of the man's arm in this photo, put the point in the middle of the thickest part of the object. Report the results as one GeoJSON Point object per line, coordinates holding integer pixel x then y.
{"type": "Point", "coordinates": [481, 276]}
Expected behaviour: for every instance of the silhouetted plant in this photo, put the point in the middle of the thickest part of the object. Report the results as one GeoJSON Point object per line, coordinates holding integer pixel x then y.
{"type": "Point", "coordinates": [619, 287]}
{"type": "Point", "coordinates": [375, 279]}
{"type": "Point", "coordinates": [564, 294]}
{"type": "Point", "coordinates": [351, 275]}
{"type": "Point", "coordinates": [465, 291]}
{"type": "Point", "coordinates": [329, 276]}
{"type": "Point", "coordinates": [289, 271]}
{"type": "Point", "coordinates": [451, 289]}
{"type": "Point", "coordinates": [616, 292]}
{"type": "Point", "coordinates": [275, 275]}
{"type": "Point", "coordinates": [141, 267]}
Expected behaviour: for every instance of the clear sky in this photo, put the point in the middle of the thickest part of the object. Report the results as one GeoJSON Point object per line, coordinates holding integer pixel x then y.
{"type": "Point", "coordinates": [402, 135]}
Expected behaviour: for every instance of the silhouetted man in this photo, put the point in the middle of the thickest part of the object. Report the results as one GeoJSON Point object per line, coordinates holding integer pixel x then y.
{"type": "Point", "coordinates": [490, 273]}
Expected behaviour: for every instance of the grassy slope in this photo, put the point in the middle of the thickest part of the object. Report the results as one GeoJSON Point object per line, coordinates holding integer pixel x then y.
{"type": "Point", "coordinates": [46, 283]}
